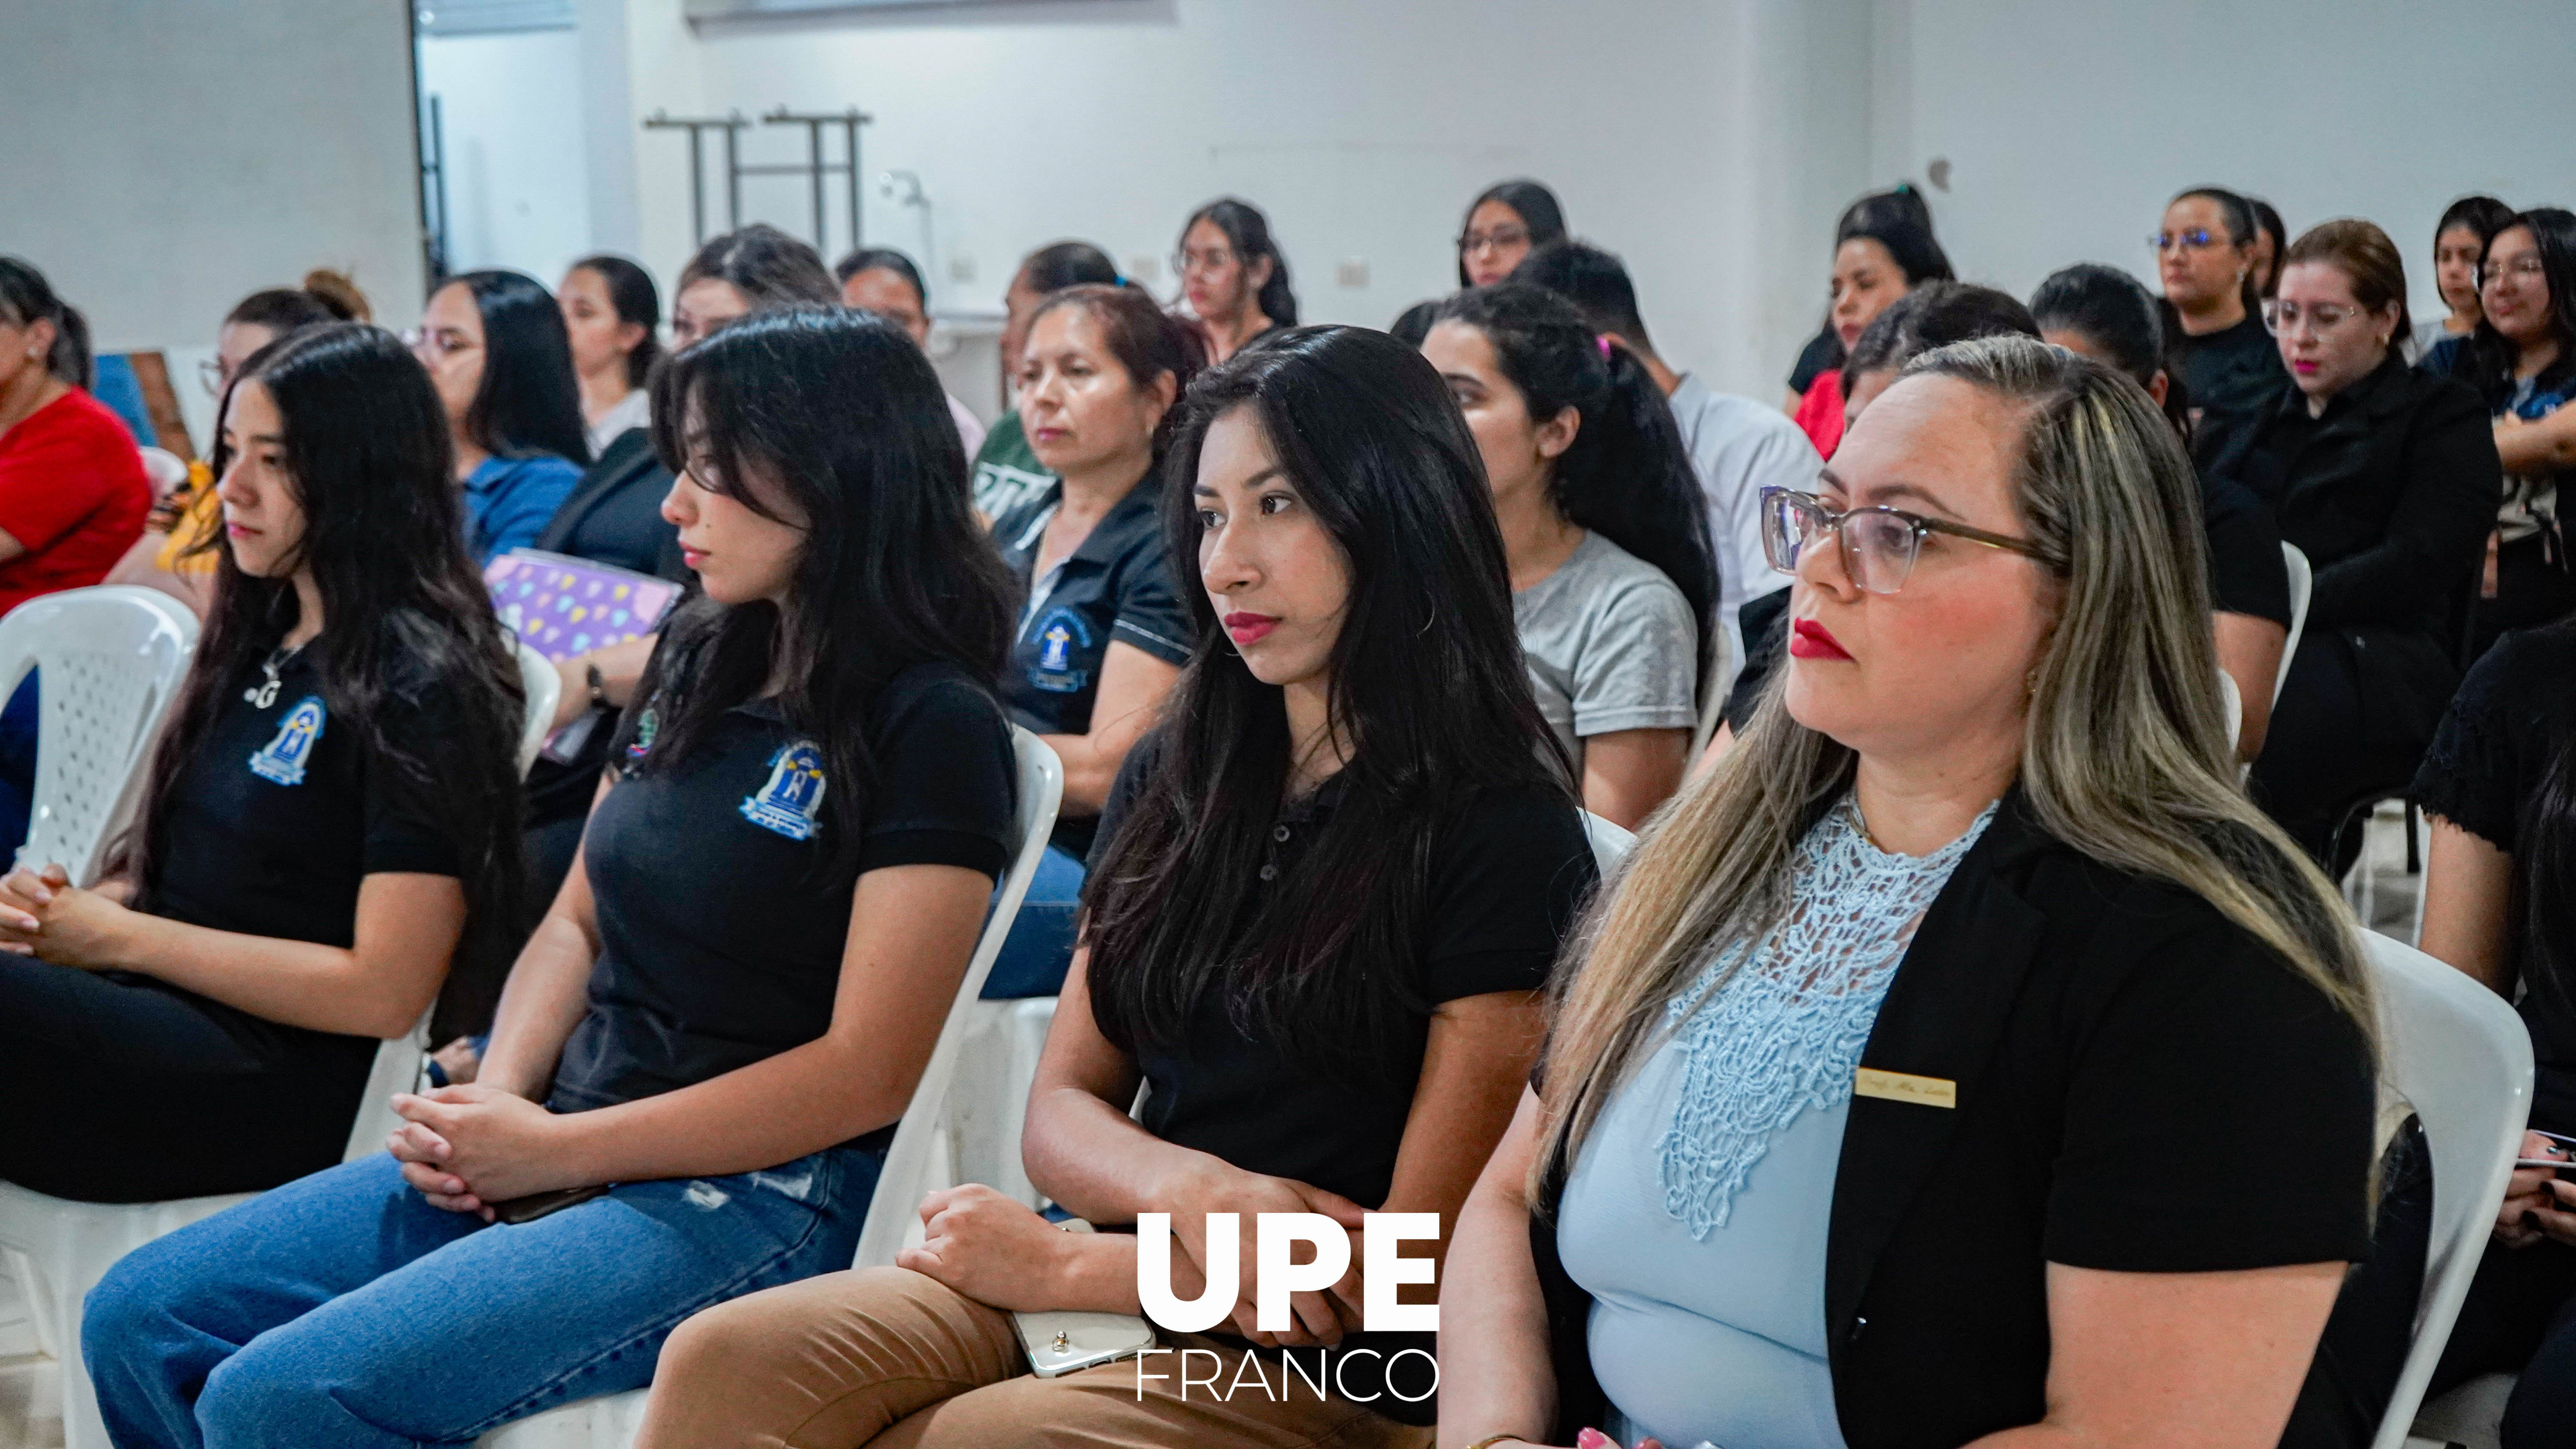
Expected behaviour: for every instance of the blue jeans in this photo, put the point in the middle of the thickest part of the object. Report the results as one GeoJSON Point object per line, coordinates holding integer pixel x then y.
{"type": "Point", "coordinates": [343, 1310]}
{"type": "Point", "coordinates": [18, 769]}
{"type": "Point", "coordinates": [1039, 950]}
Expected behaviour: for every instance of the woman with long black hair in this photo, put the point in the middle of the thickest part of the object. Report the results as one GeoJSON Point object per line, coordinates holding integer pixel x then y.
{"type": "Point", "coordinates": [612, 317]}
{"type": "Point", "coordinates": [2459, 248]}
{"type": "Point", "coordinates": [1332, 882]}
{"type": "Point", "coordinates": [2522, 359]}
{"type": "Point", "coordinates": [330, 830]}
{"type": "Point", "coordinates": [1506, 222]}
{"type": "Point", "coordinates": [1614, 582]}
{"type": "Point", "coordinates": [1233, 276]}
{"type": "Point", "coordinates": [2499, 788]}
{"type": "Point", "coordinates": [703, 1050]}
{"type": "Point", "coordinates": [495, 346]}
{"type": "Point", "coordinates": [1883, 249]}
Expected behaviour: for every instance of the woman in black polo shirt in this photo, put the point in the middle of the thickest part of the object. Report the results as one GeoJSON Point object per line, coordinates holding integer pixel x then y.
{"type": "Point", "coordinates": [1102, 633]}
{"type": "Point", "coordinates": [1963, 1053]}
{"type": "Point", "coordinates": [722, 1016]}
{"type": "Point", "coordinates": [329, 834]}
{"type": "Point", "coordinates": [1333, 883]}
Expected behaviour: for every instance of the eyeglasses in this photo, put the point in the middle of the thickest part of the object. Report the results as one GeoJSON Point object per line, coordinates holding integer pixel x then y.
{"type": "Point", "coordinates": [2520, 269]}
{"type": "Point", "coordinates": [437, 346]}
{"type": "Point", "coordinates": [1501, 238]}
{"type": "Point", "coordinates": [2197, 239]}
{"type": "Point", "coordinates": [1879, 545]}
{"type": "Point", "coordinates": [214, 375]}
{"type": "Point", "coordinates": [1214, 259]}
{"type": "Point", "coordinates": [2284, 317]}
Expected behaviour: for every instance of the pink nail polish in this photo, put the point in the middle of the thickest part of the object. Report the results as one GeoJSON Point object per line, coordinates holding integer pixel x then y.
{"type": "Point", "coordinates": [1594, 1439]}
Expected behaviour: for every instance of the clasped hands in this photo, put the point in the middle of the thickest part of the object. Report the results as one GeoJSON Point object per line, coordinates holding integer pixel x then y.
{"type": "Point", "coordinates": [467, 1147]}
{"type": "Point", "coordinates": [2537, 1202]}
{"type": "Point", "coordinates": [42, 914]}
{"type": "Point", "coordinates": [995, 1250]}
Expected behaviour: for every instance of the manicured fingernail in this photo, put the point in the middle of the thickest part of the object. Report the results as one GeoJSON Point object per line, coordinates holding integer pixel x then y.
{"type": "Point", "coordinates": [1594, 1439]}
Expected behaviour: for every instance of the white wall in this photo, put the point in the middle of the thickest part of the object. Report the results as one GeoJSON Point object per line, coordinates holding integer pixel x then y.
{"type": "Point", "coordinates": [2069, 123]}
{"type": "Point", "coordinates": [163, 158]}
{"type": "Point", "coordinates": [1710, 144]}
{"type": "Point", "coordinates": [518, 188]}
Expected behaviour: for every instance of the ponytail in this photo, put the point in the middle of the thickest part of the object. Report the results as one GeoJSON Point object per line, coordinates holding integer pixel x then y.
{"type": "Point", "coordinates": [26, 299]}
{"type": "Point", "coordinates": [1627, 475]}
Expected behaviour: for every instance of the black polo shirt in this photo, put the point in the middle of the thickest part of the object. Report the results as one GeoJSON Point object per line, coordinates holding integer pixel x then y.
{"type": "Point", "coordinates": [2233, 370]}
{"type": "Point", "coordinates": [1116, 585]}
{"type": "Point", "coordinates": [721, 920]}
{"type": "Point", "coordinates": [1508, 873]}
{"type": "Point", "coordinates": [284, 809]}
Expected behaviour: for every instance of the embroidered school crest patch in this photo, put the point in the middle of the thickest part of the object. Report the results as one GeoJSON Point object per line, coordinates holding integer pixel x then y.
{"type": "Point", "coordinates": [794, 792]}
{"type": "Point", "coordinates": [1059, 634]}
{"type": "Point", "coordinates": [281, 761]}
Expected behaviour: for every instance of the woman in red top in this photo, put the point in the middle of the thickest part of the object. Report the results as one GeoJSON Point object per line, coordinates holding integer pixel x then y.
{"type": "Point", "coordinates": [1880, 254]}
{"type": "Point", "coordinates": [72, 492]}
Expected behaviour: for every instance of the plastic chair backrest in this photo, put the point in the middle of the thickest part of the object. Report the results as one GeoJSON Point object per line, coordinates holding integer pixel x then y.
{"type": "Point", "coordinates": [1610, 844]}
{"type": "Point", "coordinates": [900, 1186]}
{"type": "Point", "coordinates": [2462, 1059]}
{"type": "Point", "coordinates": [545, 691]}
{"type": "Point", "coordinates": [111, 661]}
{"type": "Point", "coordinates": [2303, 582]}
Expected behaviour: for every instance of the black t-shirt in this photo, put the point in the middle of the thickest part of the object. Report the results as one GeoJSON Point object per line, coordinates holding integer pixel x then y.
{"type": "Point", "coordinates": [1822, 354]}
{"type": "Point", "coordinates": [284, 810]}
{"type": "Point", "coordinates": [1507, 876]}
{"type": "Point", "coordinates": [2233, 370]}
{"type": "Point", "coordinates": [2513, 717]}
{"type": "Point", "coordinates": [1116, 585]}
{"type": "Point", "coordinates": [721, 920]}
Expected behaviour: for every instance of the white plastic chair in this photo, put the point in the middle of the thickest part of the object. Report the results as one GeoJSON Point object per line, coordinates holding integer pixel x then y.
{"type": "Point", "coordinates": [111, 661]}
{"type": "Point", "coordinates": [2462, 1059]}
{"type": "Point", "coordinates": [917, 1161]}
{"type": "Point", "coordinates": [545, 691]}
{"type": "Point", "coordinates": [2302, 583]}
{"type": "Point", "coordinates": [1610, 843]}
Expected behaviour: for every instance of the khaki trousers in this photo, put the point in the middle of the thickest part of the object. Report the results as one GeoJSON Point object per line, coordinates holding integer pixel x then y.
{"type": "Point", "coordinates": [891, 1358]}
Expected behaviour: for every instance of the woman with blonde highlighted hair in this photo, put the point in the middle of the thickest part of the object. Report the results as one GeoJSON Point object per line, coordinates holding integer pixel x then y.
{"type": "Point", "coordinates": [1963, 1059]}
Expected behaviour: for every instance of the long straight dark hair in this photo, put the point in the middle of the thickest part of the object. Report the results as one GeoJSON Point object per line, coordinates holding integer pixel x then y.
{"type": "Point", "coordinates": [406, 626]}
{"type": "Point", "coordinates": [835, 417]}
{"type": "Point", "coordinates": [530, 399]}
{"type": "Point", "coordinates": [1531, 201]}
{"type": "Point", "coordinates": [2489, 359]}
{"type": "Point", "coordinates": [2544, 862]}
{"type": "Point", "coordinates": [631, 293]}
{"type": "Point", "coordinates": [1428, 688]}
{"type": "Point", "coordinates": [1627, 476]}
{"type": "Point", "coordinates": [1247, 233]}
{"type": "Point", "coordinates": [26, 298]}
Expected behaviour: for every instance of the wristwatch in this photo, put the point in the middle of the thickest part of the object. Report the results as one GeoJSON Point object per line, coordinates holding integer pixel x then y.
{"type": "Point", "coordinates": [598, 686]}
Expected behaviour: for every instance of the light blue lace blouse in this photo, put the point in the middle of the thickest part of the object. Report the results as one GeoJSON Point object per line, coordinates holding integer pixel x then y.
{"type": "Point", "coordinates": [1708, 1297]}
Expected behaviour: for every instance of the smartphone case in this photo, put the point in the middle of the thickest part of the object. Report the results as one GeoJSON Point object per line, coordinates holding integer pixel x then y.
{"type": "Point", "coordinates": [1060, 1341]}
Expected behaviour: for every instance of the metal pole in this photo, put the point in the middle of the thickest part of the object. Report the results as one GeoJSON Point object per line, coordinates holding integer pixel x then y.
{"type": "Point", "coordinates": [850, 133]}
{"type": "Point", "coordinates": [733, 172]}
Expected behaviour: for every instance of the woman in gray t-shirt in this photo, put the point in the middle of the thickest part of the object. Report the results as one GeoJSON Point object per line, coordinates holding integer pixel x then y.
{"type": "Point", "coordinates": [1613, 580]}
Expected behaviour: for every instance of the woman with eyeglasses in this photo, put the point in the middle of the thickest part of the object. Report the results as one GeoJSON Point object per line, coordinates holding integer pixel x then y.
{"type": "Point", "coordinates": [2460, 242]}
{"type": "Point", "coordinates": [1918, 1070]}
{"type": "Point", "coordinates": [2522, 357]}
{"type": "Point", "coordinates": [1233, 277]}
{"type": "Point", "coordinates": [167, 557]}
{"type": "Point", "coordinates": [496, 348]}
{"type": "Point", "coordinates": [1506, 222]}
{"type": "Point", "coordinates": [2205, 255]}
{"type": "Point", "coordinates": [2386, 479]}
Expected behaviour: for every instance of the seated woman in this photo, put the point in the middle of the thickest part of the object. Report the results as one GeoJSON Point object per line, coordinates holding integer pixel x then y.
{"type": "Point", "coordinates": [1102, 630]}
{"type": "Point", "coordinates": [702, 1051]}
{"type": "Point", "coordinates": [1883, 249]}
{"type": "Point", "coordinates": [2499, 786]}
{"type": "Point", "coordinates": [2522, 360]}
{"type": "Point", "coordinates": [1963, 1053]}
{"type": "Point", "coordinates": [2105, 314]}
{"type": "Point", "coordinates": [612, 317]}
{"type": "Point", "coordinates": [884, 281]}
{"type": "Point", "coordinates": [2205, 254]}
{"type": "Point", "coordinates": [167, 557]}
{"type": "Point", "coordinates": [1334, 884]}
{"type": "Point", "coordinates": [1233, 276]}
{"type": "Point", "coordinates": [2387, 479]}
{"type": "Point", "coordinates": [2459, 251]}
{"type": "Point", "coordinates": [1614, 583]}
{"type": "Point", "coordinates": [329, 831]}
{"type": "Point", "coordinates": [1007, 472]}
{"type": "Point", "coordinates": [495, 346]}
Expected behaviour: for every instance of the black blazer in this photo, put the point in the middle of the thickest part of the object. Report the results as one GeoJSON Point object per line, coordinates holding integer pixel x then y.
{"type": "Point", "coordinates": [614, 515]}
{"type": "Point", "coordinates": [2139, 1086]}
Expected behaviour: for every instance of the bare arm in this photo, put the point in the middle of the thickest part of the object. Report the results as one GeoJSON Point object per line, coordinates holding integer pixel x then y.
{"type": "Point", "coordinates": [1503, 1381]}
{"type": "Point", "coordinates": [404, 936]}
{"type": "Point", "coordinates": [548, 990]}
{"type": "Point", "coordinates": [10, 547]}
{"type": "Point", "coordinates": [1627, 774]}
{"type": "Point", "coordinates": [141, 566]}
{"type": "Point", "coordinates": [2542, 445]}
{"type": "Point", "coordinates": [2169, 1360]}
{"type": "Point", "coordinates": [2468, 906]}
{"type": "Point", "coordinates": [1719, 743]}
{"type": "Point", "coordinates": [1132, 686]}
{"type": "Point", "coordinates": [2249, 649]}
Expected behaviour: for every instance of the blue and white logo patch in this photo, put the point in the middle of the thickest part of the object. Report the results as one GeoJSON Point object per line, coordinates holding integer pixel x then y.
{"type": "Point", "coordinates": [281, 761]}
{"type": "Point", "coordinates": [1060, 635]}
{"type": "Point", "coordinates": [794, 792]}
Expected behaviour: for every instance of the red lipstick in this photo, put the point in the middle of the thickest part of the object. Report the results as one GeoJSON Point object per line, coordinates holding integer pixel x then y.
{"type": "Point", "coordinates": [1249, 628]}
{"type": "Point", "coordinates": [1811, 640]}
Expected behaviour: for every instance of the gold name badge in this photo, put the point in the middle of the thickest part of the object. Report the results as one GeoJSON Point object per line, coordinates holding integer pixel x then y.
{"type": "Point", "coordinates": [1904, 1087]}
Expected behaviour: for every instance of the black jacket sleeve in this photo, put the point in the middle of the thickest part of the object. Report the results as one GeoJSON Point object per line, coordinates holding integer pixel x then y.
{"type": "Point", "coordinates": [2445, 509]}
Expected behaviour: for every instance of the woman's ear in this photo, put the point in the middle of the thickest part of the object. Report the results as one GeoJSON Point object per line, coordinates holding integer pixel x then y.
{"type": "Point", "coordinates": [1166, 391]}
{"type": "Point", "coordinates": [2159, 385]}
{"type": "Point", "coordinates": [1258, 274]}
{"type": "Point", "coordinates": [1557, 434]}
{"type": "Point", "coordinates": [41, 335]}
{"type": "Point", "coordinates": [629, 334]}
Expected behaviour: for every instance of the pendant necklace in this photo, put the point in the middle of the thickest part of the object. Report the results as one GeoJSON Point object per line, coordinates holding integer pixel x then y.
{"type": "Point", "coordinates": [264, 693]}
